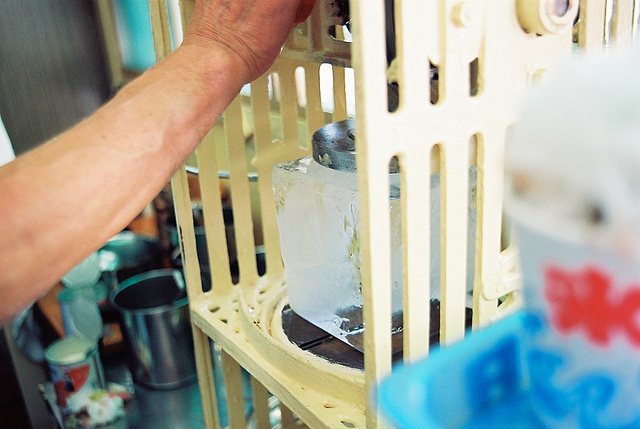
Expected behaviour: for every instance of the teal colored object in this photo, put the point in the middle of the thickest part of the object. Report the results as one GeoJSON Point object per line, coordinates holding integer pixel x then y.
{"type": "Point", "coordinates": [478, 383]}
{"type": "Point", "coordinates": [134, 33]}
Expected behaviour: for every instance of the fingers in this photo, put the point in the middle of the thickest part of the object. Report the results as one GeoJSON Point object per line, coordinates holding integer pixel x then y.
{"type": "Point", "coordinates": [304, 10]}
{"type": "Point", "coordinates": [254, 30]}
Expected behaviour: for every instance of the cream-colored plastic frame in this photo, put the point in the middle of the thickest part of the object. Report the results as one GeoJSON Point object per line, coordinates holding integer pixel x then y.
{"type": "Point", "coordinates": [459, 130]}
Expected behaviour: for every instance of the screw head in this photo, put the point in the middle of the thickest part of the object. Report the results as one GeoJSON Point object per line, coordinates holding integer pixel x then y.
{"type": "Point", "coordinates": [558, 8]}
{"type": "Point", "coordinates": [466, 13]}
{"type": "Point", "coordinates": [546, 16]}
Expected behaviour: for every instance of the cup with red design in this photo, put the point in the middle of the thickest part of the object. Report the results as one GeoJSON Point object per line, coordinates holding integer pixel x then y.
{"type": "Point", "coordinates": [573, 196]}
{"type": "Point", "coordinates": [582, 342]}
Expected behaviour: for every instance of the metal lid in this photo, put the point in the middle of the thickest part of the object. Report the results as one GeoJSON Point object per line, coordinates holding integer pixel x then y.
{"type": "Point", "coordinates": [334, 146]}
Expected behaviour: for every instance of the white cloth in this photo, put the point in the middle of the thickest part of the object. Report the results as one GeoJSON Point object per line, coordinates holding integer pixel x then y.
{"type": "Point", "coordinates": [6, 150]}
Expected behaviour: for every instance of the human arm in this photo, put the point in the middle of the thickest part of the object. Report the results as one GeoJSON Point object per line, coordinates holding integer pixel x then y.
{"type": "Point", "coordinates": [65, 199]}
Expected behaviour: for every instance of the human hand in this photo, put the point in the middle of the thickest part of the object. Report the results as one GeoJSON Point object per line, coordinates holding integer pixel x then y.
{"type": "Point", "coordinates": [253, 30]}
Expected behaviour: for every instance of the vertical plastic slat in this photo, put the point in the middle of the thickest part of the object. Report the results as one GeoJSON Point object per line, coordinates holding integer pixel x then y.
{"type": "Point", "coordinates": [376, 280]}
{"type": "Point", "coordinates": [288, 104]}
{"type": "Point", "coordinates": [260, 405]}
{"type": "Point", "coordinates": [454, 90]}
{"type": "Point", "coordinates": [454, 187]}
{"type": "Point", "coordinates": [622, 22]}
{"type": "Point", "coordinates": [235, 395]}
{"type": "Point", "coordinates": [416, 240]}
{"type": "Point", "coordinates": [179, 182]}
{"type": "Point", "coordinates": [488, 222]}
{"type": "Point", "coordinates": [592, 24]}
{"type": "Point", "coordinates": [414, 85]}
{"type": "Point", "coordinates": [206, 381]}
{"type": "Point", "coordinates": [339, 95]}
{"type": "Point", "coordinates": [461, 46]}
{"type": "Point", "coordinates": [274, 265]}
{"type": "Point", "coordinates": [315, 115]}
{"type": "Point", "coordinates": [241, 204]}
{"type": "Point", "coordinates": [182, 205]}
{"type": "Point", "coordinates": [286, 418]}
{"type": "Point", "coordinates": [490, 143]}
{"type": "Point", "coordinates": [453, 97]}
{"type": "Point", "coordinates": [261, 110]}
{"type": "Point", "coordinates": [373, 165]}
{"type": "Point", "coordinates": [160, 30]}
{"type": "Point", "coordinates": [212, 213]}
{"type": "Point", "coordinates": [260, 107]}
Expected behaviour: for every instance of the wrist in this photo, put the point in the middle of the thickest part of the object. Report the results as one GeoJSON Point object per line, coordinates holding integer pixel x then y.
{"type": "Point", "coordinates": [184, 94]}
{"type": "Point", "coordinates": [208, 56]}
{"type": "Point", "coordinates": [167, 111]}
{"type": "Point", "coordinates": [211, 77]}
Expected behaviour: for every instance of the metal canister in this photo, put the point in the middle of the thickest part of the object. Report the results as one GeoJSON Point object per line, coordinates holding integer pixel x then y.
{"type": "Point", "coordinates": [154, 309]}
{"type": "Point", "coordinates": [75, 368]}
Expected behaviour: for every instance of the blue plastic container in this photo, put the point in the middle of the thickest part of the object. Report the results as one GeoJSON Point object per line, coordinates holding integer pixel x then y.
{"type": "Point", "coordinates": [477, 383]}
{"type": "Point", "coordinates": [134, 34]}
